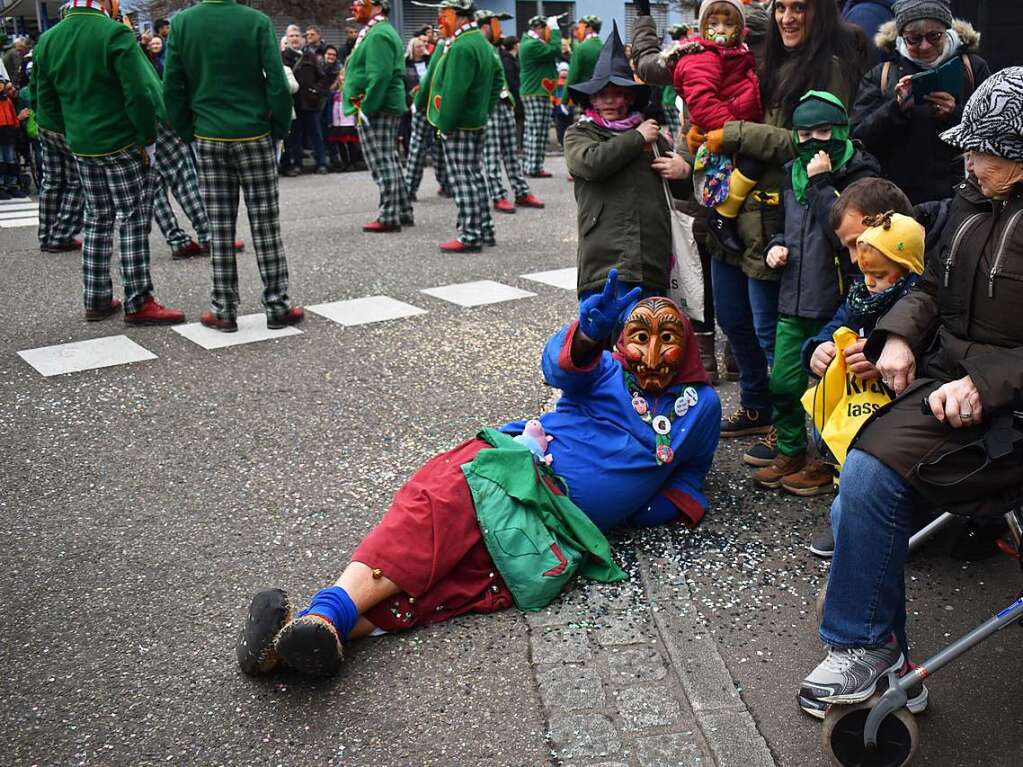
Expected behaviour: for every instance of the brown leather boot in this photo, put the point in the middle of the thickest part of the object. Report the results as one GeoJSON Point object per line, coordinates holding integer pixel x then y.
{"type": "Point", "coordinates": [707, 355]}
{"type": "Point", "coordinates": [815, 478]}
{"type": "Point", "coordinates": [731, 366]}
{"type": "Point", "coordinates": [771, 475]}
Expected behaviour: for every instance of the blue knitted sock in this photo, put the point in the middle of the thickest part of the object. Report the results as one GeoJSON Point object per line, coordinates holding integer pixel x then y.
{"type": "Point", "coordinates": [336, 606]}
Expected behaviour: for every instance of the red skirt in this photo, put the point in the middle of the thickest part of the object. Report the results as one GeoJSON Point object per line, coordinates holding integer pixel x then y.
{"type": "Point", "coordinates": [431, 546]}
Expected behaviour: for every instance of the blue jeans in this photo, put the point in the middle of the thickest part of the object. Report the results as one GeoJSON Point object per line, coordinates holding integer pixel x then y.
{"type": "Point", "coordinates": [872, 519]}
{"type": "Point", "coordinates": [306, 128]}
{"type": "Point", "coordinates": [747, 310]}
{"type": "Point", "coordinates": [8, 165]}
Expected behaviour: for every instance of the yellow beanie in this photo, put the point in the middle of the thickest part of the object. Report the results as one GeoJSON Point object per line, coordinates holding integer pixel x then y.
{"type": "Point", "coordinates": [900, 238]}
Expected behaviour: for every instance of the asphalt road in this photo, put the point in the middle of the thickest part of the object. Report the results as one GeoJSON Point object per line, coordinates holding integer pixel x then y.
{"type": "Point", "coordinates": [142, 505]}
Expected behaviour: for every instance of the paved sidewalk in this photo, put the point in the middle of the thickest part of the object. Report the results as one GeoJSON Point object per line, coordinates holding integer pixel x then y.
{"type": "Point", "coordinates": [628, 676]}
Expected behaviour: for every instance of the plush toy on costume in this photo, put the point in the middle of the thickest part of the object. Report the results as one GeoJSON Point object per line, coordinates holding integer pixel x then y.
{"type": "Point", "coordinates": [535, 438]}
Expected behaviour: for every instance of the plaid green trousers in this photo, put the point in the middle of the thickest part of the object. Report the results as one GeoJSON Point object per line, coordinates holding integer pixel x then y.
{"type": "Point", "coordinates": [536, 131]}
{"type": "Point", "coordinates": [61, 201]}
{"type": "Point", "coordinates": [225, 167]}
{"type": "Point", "coordinates": [175, 171]}
{"type": "Point", "coordinates": [463, 153]}
{"type": "Point", "coordinates": [423, 135]}
{"type": "Point", "coordinates": [500, 144]}
{"type": "Point", "coordinates": [115, 191]}
{"type": "Point", "coordinates": [378, 136]}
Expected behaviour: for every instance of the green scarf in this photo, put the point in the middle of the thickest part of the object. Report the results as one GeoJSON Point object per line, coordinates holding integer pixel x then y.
{"type": "Point", "coordinates": [817, 108]}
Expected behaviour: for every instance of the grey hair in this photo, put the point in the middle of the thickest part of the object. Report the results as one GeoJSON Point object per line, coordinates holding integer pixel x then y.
{"type": "Point", "coordinates": [294, 27]}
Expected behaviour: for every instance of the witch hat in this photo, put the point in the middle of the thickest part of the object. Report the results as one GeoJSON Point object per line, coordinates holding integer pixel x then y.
{"type": "Point", "coordinates": [612, 68]}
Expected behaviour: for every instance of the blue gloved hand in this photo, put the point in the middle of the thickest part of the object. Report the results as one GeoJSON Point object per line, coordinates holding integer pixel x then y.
{"type": "Point", "coordinates": [599, 313]}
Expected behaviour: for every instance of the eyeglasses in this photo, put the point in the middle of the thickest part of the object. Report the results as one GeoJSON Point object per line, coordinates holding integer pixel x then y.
{"type": "Point", "coordinates": [932, 37]}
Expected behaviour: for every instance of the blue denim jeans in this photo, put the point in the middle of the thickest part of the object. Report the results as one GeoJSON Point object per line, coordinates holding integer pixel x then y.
{"type": "Point", "coordinates": [306, 128]}
{"type": "Point", "coordinates": [747, 310]}
{"type": "Point", "coordinates": [8, 163]}
{"type": "Point", "coordinates": [872, 519]}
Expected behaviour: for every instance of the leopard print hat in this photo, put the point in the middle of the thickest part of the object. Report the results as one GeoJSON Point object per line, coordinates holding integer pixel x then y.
{"type": "Point", "coordinates": [992, 120]}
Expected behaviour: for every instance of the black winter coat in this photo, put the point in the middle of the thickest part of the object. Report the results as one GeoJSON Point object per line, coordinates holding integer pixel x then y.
{"type": "Point", "coordinates": [819, 271]}
{"type": "Point", "coordinates": [310, 74]}
{"type": "Point", "coordinates": [907, 143]}
{"type": "Point", "coordinates": [963, 318]}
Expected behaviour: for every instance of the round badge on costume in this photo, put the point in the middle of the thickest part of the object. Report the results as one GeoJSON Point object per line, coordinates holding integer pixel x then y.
{"type": "Point", "coordinates": [639, 405]}
{"type": "Point", "coordinates": [665, 454]}
{"type": "Point", "coordinates": [690, 396]}
{"type": "Point", "coordinates": [661, 425]}
{"type": "Point", "coordinates": [681, 407]}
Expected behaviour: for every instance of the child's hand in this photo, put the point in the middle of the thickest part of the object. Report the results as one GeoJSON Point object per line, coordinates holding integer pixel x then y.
{"type": "Point", "coordinates": [777, 256]}
{"type": "Point", "coordinates": [822, 357]}
{"type": "Point", "coordinates": [820, 163]}
{"type": "Point", "coordinates": [671, 166]}
{"type": "Point", "coordinates": [856, 362]}
{"type": "Point", "coordinates": [650, 130]}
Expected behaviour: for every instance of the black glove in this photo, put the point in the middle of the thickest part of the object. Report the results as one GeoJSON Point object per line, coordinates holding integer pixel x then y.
{"type": "Point", "coordinates": [642, 7]}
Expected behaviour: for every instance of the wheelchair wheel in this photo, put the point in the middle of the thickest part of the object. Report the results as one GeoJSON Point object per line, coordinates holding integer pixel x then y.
{"type": "Point", "coordinates": [842, 737]}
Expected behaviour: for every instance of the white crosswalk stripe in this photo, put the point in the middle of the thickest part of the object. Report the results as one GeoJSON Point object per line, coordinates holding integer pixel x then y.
{"type": "Point", "coordinates": [119, 349]}
{"type": "Point", "coordinates": [19, 212]}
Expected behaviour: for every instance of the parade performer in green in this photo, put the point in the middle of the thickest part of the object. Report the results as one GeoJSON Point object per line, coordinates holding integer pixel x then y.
{"type": "Point", "coordinates": [500, 142]}
{"type": "Point", "coordinates": [90, 70]}
{"type": "Point", "coordinates": [462, 90]}
{"type": "Point", "coordinates": [586, 50]}
{"type": "Point", "coordinates": [231, 101]}
{"type": "Point", "coordinates": [538, 56]}
{"type": "Point", "coordinates": [375, 90]}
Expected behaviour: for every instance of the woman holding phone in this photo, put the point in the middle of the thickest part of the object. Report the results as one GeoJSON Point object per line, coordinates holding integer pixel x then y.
{"type": "Point", "coordinates": [901, 129]}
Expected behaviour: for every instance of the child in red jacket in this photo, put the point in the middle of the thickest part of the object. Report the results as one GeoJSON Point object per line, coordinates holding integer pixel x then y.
{"type": "Point", "coordinates": [716, 77]}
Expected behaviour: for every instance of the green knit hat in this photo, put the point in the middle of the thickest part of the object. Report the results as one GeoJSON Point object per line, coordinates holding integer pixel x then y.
{"type": "Point", "coordinates": [817, 108]}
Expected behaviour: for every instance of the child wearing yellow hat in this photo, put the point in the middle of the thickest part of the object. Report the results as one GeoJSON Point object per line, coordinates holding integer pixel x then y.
{"type": "Point", "coordinates": [890, 254]}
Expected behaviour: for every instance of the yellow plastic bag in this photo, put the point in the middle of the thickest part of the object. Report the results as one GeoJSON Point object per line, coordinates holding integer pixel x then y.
{"type": "Point", "coordinates": [840, 403]}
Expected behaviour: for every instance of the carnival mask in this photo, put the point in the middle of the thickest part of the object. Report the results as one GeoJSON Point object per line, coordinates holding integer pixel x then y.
{"type": "Point", "coordinates": [362, 11]}
{"type": "Point", "coordinates": [447, 20]}
{"type": "Point", "coordinates": [580, 31]}
{"type": "Point", "coordinates": [652, 343]}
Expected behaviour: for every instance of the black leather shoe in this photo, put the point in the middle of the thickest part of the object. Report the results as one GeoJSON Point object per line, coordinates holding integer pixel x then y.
{"type": "Point", "coordinates": [724, 230]}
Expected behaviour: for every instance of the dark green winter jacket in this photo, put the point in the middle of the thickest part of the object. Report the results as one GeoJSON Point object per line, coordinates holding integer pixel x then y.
{"type": "Point", "coordinates": [622, 213]}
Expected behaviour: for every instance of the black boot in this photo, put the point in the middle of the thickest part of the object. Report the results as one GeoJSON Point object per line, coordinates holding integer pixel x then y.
{"type": "Point", "coordinates": [707, 355]}
{"type": "Point", "coordinates": [731, 366]}
{"type": "Point", "coordinates": [725, 231]}
{"type": "Point", "coordinates": [269, 612]}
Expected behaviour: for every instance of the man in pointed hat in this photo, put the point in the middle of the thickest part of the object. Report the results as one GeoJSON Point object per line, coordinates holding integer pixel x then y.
{"type": "Point", "coordinates": [586, 50]}
{"type": "Point", "coordinates": [538, 56]}
{"type": "Point", "coordinates": [462, 89]}
{"type": "Point", "coordinates": [500, 141]}
{"type": "Point", "coordinates": [90, 70]}
{"type": "Point", "coordinates": [375, 90]}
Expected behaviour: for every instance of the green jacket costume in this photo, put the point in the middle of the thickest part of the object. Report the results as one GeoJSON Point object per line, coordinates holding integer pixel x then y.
{"type": "Point", "coordinates": [465, 86]}
{"type": "Point", "coordinates": [92, 82]}
{"type": "Point", "coordinates": [584, 59]}
{"type": "Point", "coordinates": [375, 73]}
{"type": "Point", "coordinates": [225, 92]}
{"type": "Point", "coordinates": [622, 214]}
{"type": "Point", "coordinates": [538, 62]}
{"type": "Point", "coordinates": [769, 141]}
{"type": "Point", "coordinates": [524, 523]}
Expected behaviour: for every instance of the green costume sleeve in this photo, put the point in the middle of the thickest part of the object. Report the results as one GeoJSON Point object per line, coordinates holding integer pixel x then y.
{"type": "Point", "coordinates": [554, 46]}
{"type": "Point", "coordinates": [44, 97]}
{"type": "Point", "coordinates": [142, 102]}
{"type": "Point", "coordinates": [379, 72]}
{"type": "Point", "coordinates": [499, 85]}
{"type": "Point", "coordinates": [277, 94]}
{"type": "Point", "coordinates": [455, 92]}
{"type": "Point", "coordinates": [175, 91]}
